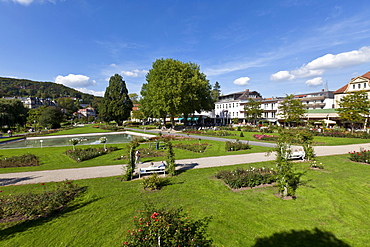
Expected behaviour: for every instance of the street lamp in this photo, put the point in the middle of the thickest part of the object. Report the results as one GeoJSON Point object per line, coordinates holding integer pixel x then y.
{"type": "Point", "coordinates": [41, 141]}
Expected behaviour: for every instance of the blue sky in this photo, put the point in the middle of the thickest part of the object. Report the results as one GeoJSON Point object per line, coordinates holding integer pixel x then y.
{"type": "Point", "coordinates": [273, 47]}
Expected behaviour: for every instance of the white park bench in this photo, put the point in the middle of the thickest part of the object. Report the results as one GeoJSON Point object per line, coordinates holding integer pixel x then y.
{"type": "Point", "coordinates": [152, 169]}
{"type": "Point", "coordinates": [297, 155]}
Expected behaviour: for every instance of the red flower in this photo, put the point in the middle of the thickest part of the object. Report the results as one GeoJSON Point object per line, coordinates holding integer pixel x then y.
{"type": "Point", "coordinates": [43, 184]}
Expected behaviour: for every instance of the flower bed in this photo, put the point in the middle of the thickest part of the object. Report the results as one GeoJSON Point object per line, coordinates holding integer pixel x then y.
{"type": "Point", "coordinates": [31, 205]}
{"type": "Point", "coordinates": [194, 147]}
{"type": "Point", "coordinates": [343, 134]}
{"type": "Point", "coordinates": [168, 228]}
{"type": "Point", "coordinates": [80, 154]}
{"type": "Point", "coordinates": [237, 145]}
{"type": "Point", "coordinates": [362, 156]}
{"type": "Point", "coordinates": [266, 137]}
{"type": "Point", "coordinates": [19, 161]}
{"type": "Point", "coordinates": [251, 177]}
{"type": "Point", "coordinates": [209, 132]}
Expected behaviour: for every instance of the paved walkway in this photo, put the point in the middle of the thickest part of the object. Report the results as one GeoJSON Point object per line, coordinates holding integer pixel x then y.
{"type": "Point", "coordinates": [116, 170]}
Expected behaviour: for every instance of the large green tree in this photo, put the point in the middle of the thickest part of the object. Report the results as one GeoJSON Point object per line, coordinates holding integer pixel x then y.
{"type": "Point", "coordinates": [291, 109]}
{"type": "Point", "coordinates": [354, 108]}
{"type": "Point", "coordinates": [216, 91]}
{"type": "Point", "coordinates": [253, 110]}
{"type": "Point", "coordinates": [12, 112]}
{"type": "Point", "coordinates": [68, 104]}
{"type": "Point", "coordinates": [116, 104]}
{"type": "Point", "coordinates": [175, 88]}
{"type": "Point", "coordinates": [51, 117]}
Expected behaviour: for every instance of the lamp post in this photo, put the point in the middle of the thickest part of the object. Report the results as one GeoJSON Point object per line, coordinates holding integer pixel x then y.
{"type": "Point", "coordinates": [41, 141]}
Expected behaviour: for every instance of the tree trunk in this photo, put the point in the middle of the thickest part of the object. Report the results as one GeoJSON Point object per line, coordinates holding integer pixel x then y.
{"type": "Point", "coordinates": [173, 121]}
{"type": "Point", "coordinates": [185, 119]}
{"type": "Point", "coordinates": [164, 120]}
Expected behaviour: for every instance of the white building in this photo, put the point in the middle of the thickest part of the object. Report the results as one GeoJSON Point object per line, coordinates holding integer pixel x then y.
{"type": "Point", "coordinates": [231, 106]}
{"type": "Point", "coordinates": [359, 83]}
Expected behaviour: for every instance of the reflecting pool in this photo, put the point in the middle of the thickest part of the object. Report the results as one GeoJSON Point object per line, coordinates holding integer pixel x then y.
{"type": "Point", "coordinates": [63, 140]}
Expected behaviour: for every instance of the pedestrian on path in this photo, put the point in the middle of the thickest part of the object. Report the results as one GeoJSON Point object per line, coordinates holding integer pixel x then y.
{"type": "Point", "coordinates": [137, 157]}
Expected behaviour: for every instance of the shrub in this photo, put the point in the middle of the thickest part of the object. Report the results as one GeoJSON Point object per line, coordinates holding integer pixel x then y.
{"type": "Point", "coordinates": [237, 145]}
{"type": "Point", "coordinates": [314, 165]}
{"type": "Point", "coordinates": [251, 177]}
{"type": "Point", "coordinates": [19, 161]}
{"type": "Point", "coordinates": [31, 205]}
{"type": "Point", "coordinates": [241, 134]}
{"type": "Point", "coordinates": [80, 154]}
{"type": "Point", "coordinates": [193, 147]}
{"type": "Point", "coordinates": [154, 182]}
{"type": "Point", "coordinates": [266, 137]}
{"type": "Point", "coordinates": [363, 156]}
{"type": "Point", "coordinates": [167, 228]}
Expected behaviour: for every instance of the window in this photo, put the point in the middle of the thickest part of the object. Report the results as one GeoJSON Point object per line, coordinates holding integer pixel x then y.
{"type": "Point", "coordinates": [359, 86]}
{"type": "Point", "coordinates": [365, 85]}
{"type": "Point", "coordinates": [354, 86]}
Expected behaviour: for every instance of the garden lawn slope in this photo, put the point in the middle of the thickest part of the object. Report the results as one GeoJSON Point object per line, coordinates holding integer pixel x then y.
{"type": "Point", "coordinates": [332, 208]}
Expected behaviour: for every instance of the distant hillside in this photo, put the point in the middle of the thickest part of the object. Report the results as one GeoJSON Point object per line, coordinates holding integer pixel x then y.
{"type": "Point", "coordinates": [26, 88]}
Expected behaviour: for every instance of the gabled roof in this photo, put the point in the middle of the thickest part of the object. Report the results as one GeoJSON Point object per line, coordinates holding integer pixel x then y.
{"type": "Point", "coordinates": [341, 90]}
{"type": "Point", "coordinates": [366, 75]}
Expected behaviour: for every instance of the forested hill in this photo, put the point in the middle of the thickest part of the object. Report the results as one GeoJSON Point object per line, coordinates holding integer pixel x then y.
{"type": "Point", "coordinates": [10, 87]}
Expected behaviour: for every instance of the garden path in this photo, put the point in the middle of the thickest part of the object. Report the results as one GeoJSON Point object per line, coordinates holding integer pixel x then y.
{"type": "Point", "coordinates": [116, 170]}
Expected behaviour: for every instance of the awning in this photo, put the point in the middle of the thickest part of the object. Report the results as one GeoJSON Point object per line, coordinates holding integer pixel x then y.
{"type": "Point", "coordinates": [328, 121]}
{"type": "Point", "coordinates": [189, 118]}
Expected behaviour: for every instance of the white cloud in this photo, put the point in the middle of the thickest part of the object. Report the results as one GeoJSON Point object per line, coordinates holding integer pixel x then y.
{"type": "Point", "coordinates": [341, 60]}
{"type": "Point", "coordinates": [72, 80]}
{"type": "Point", "coordinates": [23, 2]}
{"type": "Point", "coordinates": [96, 93]}
{"type": "Point", "coordinates": [320, 65]}
{"type": "Point", "coordinates": [283, 75]}
{"type": "Point", "coordinates": [242, 81]}
{"type": "Point", "coordinates": [315, 81]}
{"type": "Point", "coordinates": [134, 73]}
{"type": "Point", "coordinates": [28, 2]}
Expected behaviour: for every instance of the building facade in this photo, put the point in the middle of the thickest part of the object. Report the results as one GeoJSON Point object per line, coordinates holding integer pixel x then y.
{"type": "Point", "coordinates": [231, 106]}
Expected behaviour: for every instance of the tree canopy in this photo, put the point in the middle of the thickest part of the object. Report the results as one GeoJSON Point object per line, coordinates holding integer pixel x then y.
{"type": "Point", "coordinates": [253, 110]}
{"type": "Point", "coordinates": [116, 104]}
{"type": "Point", "coordinates": [291, 109]}
{"type": "Point", "coordinates": [12, 113]}
{"type": "Point", "coordinates": [51, 117]}
{"type": "Point", "coordinates": [354, 107]}
{"type": "Point", "coordinates": [174, 88]}
{"type": "Point", "coordinates": [216, 91]}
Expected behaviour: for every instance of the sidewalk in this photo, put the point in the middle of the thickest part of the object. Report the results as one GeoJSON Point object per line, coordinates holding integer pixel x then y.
{"type": "Point", "coordinates": [116, 170]}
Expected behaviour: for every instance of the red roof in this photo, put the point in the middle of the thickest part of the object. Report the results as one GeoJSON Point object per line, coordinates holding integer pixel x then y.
{"type": "Point", "coordinates": [367, 75]}
{"type": "Point", "coordinates": [341, 90]}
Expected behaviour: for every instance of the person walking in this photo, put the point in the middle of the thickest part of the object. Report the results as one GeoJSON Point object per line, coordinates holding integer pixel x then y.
{"type": "Point", "coordinates": [137, 157]}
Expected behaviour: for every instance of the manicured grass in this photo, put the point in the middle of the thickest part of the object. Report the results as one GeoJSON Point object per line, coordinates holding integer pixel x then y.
{"type": "Point", "coordinates": [334, 200]}
{"type": "Point", "coordinates": [319, 140]}
{"type": "Point", "coordinates": [80, 130]}
{"type": "Point", "coordinates": [54, 158]}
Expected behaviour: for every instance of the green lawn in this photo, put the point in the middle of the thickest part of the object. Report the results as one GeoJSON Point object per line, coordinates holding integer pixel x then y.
{"type": "Point", "coordinates": [335, 201]}
{"type": "Point", "coordinates": [319, 140]}
{"type": "Point", "coordinates": [54, 158]}
{"type": "Point", "coordinates": [88, 128]}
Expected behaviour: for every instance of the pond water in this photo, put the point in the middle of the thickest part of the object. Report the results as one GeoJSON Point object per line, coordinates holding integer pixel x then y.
{"type": "Point", "coordinates": [63, 140]}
